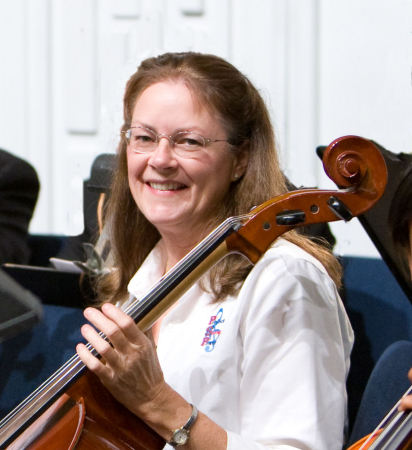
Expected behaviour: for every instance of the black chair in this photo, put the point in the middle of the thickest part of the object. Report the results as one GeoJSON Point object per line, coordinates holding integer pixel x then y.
{"type": "Point", "coordinates": [95, 192]}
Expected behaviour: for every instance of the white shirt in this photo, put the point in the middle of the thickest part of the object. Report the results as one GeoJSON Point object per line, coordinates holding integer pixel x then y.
{"type": "Point", "coordinates": [270, 365]}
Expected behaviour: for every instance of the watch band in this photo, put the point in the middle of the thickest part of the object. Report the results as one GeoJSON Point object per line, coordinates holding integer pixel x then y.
{"type": "Point", "coordinates": [180, 436]}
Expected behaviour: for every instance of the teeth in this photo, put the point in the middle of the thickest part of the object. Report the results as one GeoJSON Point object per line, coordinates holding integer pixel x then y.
{"type": "Point", "coordinates": [165, 186]}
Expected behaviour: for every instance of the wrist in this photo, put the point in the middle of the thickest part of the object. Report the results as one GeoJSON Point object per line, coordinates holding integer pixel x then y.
{"type": "Point", "coordinates": [154, 409]}
{"type": "Point", "coordinates": [166, 412]}
{"type": "Point", "coordinates": [180, 436]}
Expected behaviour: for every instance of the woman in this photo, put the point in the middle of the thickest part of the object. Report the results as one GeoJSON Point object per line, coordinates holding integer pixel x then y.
{"type": "Point", "coordinates": [400, 224]}
{"type": "Point", "coordinates": [400, 219]}
{"type": "Point", "coordinates": [262, 353]}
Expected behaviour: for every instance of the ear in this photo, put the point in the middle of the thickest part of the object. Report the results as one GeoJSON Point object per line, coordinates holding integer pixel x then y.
{"type": "Point", "coordinates": [240, 163]}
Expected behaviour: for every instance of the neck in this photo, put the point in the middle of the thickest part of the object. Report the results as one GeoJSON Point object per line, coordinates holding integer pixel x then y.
{"type": "Point", "coordinates": [173, 251]}
{"type": "Point", "coordinates": [175, 246]}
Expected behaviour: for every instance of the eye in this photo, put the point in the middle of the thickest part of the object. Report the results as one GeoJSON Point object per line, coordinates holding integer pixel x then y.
{"type": "Point", "coordinates": [142, 137]}
{"type": "Point", "coordinates": [190, 141]}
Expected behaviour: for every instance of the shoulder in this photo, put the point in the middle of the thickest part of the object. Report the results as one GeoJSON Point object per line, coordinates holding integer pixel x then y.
{"type": "Point", "coordinates": [9, 161]}
{"type": "Point", "coordinates": [290, 273]}
{"type": "Point", "coordinates": [14, 168]}
{"type": "Point", "coordinates": [290, 258]}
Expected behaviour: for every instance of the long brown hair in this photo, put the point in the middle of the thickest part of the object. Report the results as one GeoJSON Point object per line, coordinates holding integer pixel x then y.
{"type": "Point", "coordinates": [228, 94]}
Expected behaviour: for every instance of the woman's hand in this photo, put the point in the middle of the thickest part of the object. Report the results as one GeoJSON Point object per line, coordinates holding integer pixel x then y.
{"type": "Point", "coordinates": [130, 370]}
{"type": "Point", "coordinates": [129, 367]}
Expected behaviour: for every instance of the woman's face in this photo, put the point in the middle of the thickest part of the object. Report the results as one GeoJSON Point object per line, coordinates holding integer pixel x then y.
{"type": "Point", "coordinates": [179, 195]}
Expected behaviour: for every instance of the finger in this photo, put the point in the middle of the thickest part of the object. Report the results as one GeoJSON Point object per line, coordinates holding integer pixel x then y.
{"type": "Point", "coordinates": [89, 360]}
{"type": "Point", "coordinates": [105, 373]}
{"type": "Point", "coordinates": [124, 322]}
{"type": "Point", "coordinates": [406, 403]}
{"type": "Point", "coordinates": [105, 324]}
{"type": "Point", "coordinates": [101, 345]}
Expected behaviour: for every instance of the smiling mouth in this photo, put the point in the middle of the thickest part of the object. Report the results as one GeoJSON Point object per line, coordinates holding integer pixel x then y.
{"type": "Point", "coordinates": [166, 186]}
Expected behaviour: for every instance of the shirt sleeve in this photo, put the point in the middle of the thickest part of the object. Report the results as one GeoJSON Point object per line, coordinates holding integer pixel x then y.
{"type": "Point", "coordinates": [296, 340]}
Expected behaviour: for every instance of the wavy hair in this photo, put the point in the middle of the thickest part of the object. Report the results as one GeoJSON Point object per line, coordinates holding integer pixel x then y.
{"type": "Point", "coordinates": [232, 98]}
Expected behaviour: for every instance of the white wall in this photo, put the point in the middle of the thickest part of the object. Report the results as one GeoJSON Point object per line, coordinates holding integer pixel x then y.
{"type": "Point", "coordinates": [365, 83]}
{"type": "Point", "coordinates": [326, 68]}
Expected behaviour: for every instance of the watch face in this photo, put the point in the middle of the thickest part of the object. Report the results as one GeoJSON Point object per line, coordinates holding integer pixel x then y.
{"type": "Point", "coordinates": [180, 437]}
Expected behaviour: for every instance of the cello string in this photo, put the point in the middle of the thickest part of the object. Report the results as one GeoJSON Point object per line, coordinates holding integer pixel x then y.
{"type": "Point", "coordinates": [42, 394]}
{"type": "Point", "coordinates": [185, 263]}
{"type": "Point", "coordinates": [391, 419]}
{"type": "Point", "coordinates": [37, 397]}
{"type": "Point", "coordinates": [68, 370]}
{"type": "Point", "coordinates": [394, 437]}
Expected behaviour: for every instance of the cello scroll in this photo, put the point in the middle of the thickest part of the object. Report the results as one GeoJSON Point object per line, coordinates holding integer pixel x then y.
{"type": "Point", "coordinates": [355, 164]}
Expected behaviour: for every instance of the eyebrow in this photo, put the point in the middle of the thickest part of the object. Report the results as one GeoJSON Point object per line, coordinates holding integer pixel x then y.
{"type": "Point", "coordinates": [177, 130]}
{"type": "Point", "coordinates": [141, 124]}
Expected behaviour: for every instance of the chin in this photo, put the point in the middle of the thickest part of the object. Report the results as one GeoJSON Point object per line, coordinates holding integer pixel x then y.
{"type": "Point", "coordinates": [167, 221]}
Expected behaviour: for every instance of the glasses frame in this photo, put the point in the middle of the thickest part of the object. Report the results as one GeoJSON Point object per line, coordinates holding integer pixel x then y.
{"type": "Point", "coordinates": [171, 139]}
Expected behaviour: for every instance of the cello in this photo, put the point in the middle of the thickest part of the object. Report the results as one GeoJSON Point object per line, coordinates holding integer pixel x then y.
{"type": "Point", "coordinates": [73, 410]}
{"type": "Point", "coordinates": [394, 432]}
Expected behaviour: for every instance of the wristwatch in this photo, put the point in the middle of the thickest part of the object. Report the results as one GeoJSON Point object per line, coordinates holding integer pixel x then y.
{"type": "Point", "coordinates": [181, 435]}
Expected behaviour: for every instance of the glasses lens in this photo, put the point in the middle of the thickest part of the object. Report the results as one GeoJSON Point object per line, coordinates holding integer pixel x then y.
{"type": "Point", "coordinates": [188, 141]}
{"type": "Point", "coordinates": [141, 139]}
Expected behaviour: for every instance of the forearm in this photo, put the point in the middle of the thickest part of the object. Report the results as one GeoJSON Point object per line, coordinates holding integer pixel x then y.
{"type": "Point", "coordinates": [169, 411]}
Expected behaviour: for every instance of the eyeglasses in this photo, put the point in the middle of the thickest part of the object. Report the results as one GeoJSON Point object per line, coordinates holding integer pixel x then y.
{"type": "Point", "coordinates": [185, 143]}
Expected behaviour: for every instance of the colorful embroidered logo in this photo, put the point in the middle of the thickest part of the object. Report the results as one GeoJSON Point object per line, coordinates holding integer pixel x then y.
{"type": "Point", "coordinates": [212, 332]}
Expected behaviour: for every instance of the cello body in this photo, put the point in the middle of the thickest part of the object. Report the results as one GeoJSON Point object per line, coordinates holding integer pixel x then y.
{"type": "Point", "coordinates": [87, 417]}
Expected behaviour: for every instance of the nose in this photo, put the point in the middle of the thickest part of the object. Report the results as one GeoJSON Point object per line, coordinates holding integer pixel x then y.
{"type": "Point", "coordinates": [163, 156]}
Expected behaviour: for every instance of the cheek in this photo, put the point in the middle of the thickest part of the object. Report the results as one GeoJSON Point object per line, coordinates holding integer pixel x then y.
{"type": "Point", "coordinates": [134, 171]}
{"type": "Point", "coordinates": [217, 181]}
{"type": "Point", "coordinates": [209, 176]}
{"type": "Point", "coordinates": [134, 166]}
